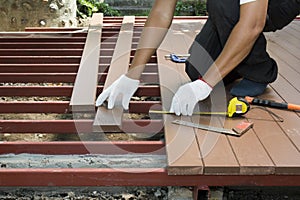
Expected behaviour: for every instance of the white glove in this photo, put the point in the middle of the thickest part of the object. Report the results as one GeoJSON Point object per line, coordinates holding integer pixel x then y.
{"type": "Point", "coordinates": [188, 95]}
{"type": "Point", "coordinates": [124, 86]}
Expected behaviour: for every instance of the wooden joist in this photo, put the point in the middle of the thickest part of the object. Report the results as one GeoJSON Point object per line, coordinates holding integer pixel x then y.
{"type": "Point", "coordinates": [85, 86]}
{"type": "Point", "coordinates": [118, 66]}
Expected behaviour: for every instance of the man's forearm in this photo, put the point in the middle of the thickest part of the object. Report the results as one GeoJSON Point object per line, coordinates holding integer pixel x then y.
{"type": "Point", "coordinates": [236, 49]}
{"type": "Point", "coordinates": [240, 41]}
{"type": "Point", "coordinates": [154, 31]}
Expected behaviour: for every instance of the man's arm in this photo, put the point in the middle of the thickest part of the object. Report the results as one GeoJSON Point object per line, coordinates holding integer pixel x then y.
{"type": "Point", "coordinates": [154, 31]}
{"type": "Point", "coordinates": [241, 40]}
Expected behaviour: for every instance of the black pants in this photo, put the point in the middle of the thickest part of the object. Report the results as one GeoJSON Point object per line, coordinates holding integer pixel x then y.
{"type": "Point", "coordinates": [223, 15]}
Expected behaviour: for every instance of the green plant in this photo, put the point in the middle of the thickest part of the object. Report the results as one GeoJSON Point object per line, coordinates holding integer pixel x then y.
{"type": "Point", "coordinates": [200, 8]}
{"type": "Point", "coordinates": [192, 7]}
{"type": "Point", "coordinates": [86, 8]}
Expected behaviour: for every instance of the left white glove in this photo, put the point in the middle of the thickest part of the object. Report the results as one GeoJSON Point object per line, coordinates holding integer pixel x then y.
{"type": "Point", "coordinates": [122, 86]}
{"type": "Point", "coordinates": [188, 95]}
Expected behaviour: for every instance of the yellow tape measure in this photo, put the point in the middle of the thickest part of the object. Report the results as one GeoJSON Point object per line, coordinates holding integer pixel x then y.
{"type": "Point", "coordinates": [237, 106]}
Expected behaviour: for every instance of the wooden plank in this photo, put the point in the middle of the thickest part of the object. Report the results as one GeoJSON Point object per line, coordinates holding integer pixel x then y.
{"type": "Point", "coordinates": [288, 46]}
{"type": "Point", "coordinates": [290, 125]}
{"type": "Point", "coordinates": [183, 152]}
{"type": "Point", "coordinates": [288, 64]}
{"type": "Point", "coordinates": [287, 91]}
{"type": "Point", "coordinates": [62, 106]}
{"type": "Point", "coordinates": [85, 86]}
{"type": "Point", "coordinates": [217, 154]}
{"type": "Point", "coordinates": [41, 45]}
{"type": "Point", "coordinates": [75, 126]}
{"type": "Point", "coordinates": [292, 30]}
{"type": "Point", "coordinates": [119, 65]}
{"type": "Point", "coordinates": [288, 38]}
{"type": "Point", "coordinates": [251, 155]}
{"type": "Point", "coordinates": [40, 52]}
{"type": "Point", "coordinates": [111, 177]}
{"type": "Point", "coordinates": [281, 150]}
{"type": "Point", "coordinates": [82, 147]}
{"type": "Point", "coordinates": [48, 91]}
{"type": "Point", "coordinates": [287, 86]}
{"type": "Point", "coordinates": [280, 53]}
{"type": "Point", "coordinates": [49, 39]}
{"type": "Point", "coordinates": [295, 24]}
{"type": "Point", "coordinates": [61, 77]}
{"type": "Point", "coordinates": [39, 68]}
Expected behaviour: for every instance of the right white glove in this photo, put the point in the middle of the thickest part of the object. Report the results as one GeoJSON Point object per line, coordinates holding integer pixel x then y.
{"type": "Point", "coordinates": [122, 86]}
{"type": "Point", "coordinates": [188, 95]}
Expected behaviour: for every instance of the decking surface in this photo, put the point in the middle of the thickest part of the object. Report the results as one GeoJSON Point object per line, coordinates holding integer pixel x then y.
{"type": "Point", "coordinates": [270, 147]}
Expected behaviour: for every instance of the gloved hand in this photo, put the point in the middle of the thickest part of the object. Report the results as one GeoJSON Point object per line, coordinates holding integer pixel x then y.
{"type": "Point", "coordinates": [124, 86]}
{"type": "Point", "coordinates": [188, 95]}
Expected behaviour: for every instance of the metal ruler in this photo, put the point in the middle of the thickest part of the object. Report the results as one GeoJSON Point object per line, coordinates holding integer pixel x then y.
{"type": "Point", "coordinates": [209, 128]}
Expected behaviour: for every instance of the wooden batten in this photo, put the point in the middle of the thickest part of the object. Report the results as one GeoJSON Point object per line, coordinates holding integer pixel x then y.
{"type": "Point", "coordinates": [107, 119]}
{"type": "Point", "coordinates": [85, 86]}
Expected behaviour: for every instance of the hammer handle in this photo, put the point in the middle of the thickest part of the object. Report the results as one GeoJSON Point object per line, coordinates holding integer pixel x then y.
{"type": "Point", "coordinates": [272, 104]}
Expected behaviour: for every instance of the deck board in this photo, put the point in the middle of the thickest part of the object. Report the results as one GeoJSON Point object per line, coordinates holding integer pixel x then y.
{"type": "Point", "coordinates": [119, 65]}
{"type": "Point", "coordinates": [183, 155]}
{"type": "Point", "coordinates": [85, 86]}
{"type": "Point", "coordinates": [283, 153]}
{"type": "Point", "coordinates": [253, 159]}
{"type": "Point", "coordinates": [289, 46]}
{"type": "Point", "coordinates": [288, 37]}
{"type": "Point", "coordinates": [217, 153]}
{"type": "Point", "coordinates": [290, 125]}
{"type": "Point", "coordinates": [282, 54]}
{"type": "Point", "coordinates": [289, 67]}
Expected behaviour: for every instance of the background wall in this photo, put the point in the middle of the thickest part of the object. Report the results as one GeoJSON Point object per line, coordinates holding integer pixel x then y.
{"type": "Point", "coordinates": [15, 15]}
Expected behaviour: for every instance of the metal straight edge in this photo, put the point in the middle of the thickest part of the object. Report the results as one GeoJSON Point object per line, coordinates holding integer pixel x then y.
{"type": "Point", "coordinates": [205, 127]}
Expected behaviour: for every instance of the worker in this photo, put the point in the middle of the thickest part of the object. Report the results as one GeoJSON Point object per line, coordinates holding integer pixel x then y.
{"type": "Point", "coordinates": [232, 36]}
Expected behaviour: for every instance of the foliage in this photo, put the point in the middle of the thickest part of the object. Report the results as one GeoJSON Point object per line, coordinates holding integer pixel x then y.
{"type": "Point", "coordinates": [191, 7]}
{"type": "Point", "coordinates": [86, 8]}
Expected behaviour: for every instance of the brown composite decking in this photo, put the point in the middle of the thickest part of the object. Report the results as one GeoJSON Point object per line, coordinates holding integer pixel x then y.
{"type": "Point", "coordinates": [268, 154]}
{"type": "Point", "coordinates": [270, 147]}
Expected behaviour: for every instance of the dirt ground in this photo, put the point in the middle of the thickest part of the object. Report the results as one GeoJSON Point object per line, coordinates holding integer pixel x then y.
{"type": "Point", "coordinates": [147, 193]}
{"type": "Point", "coordinates": [86, 193]}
